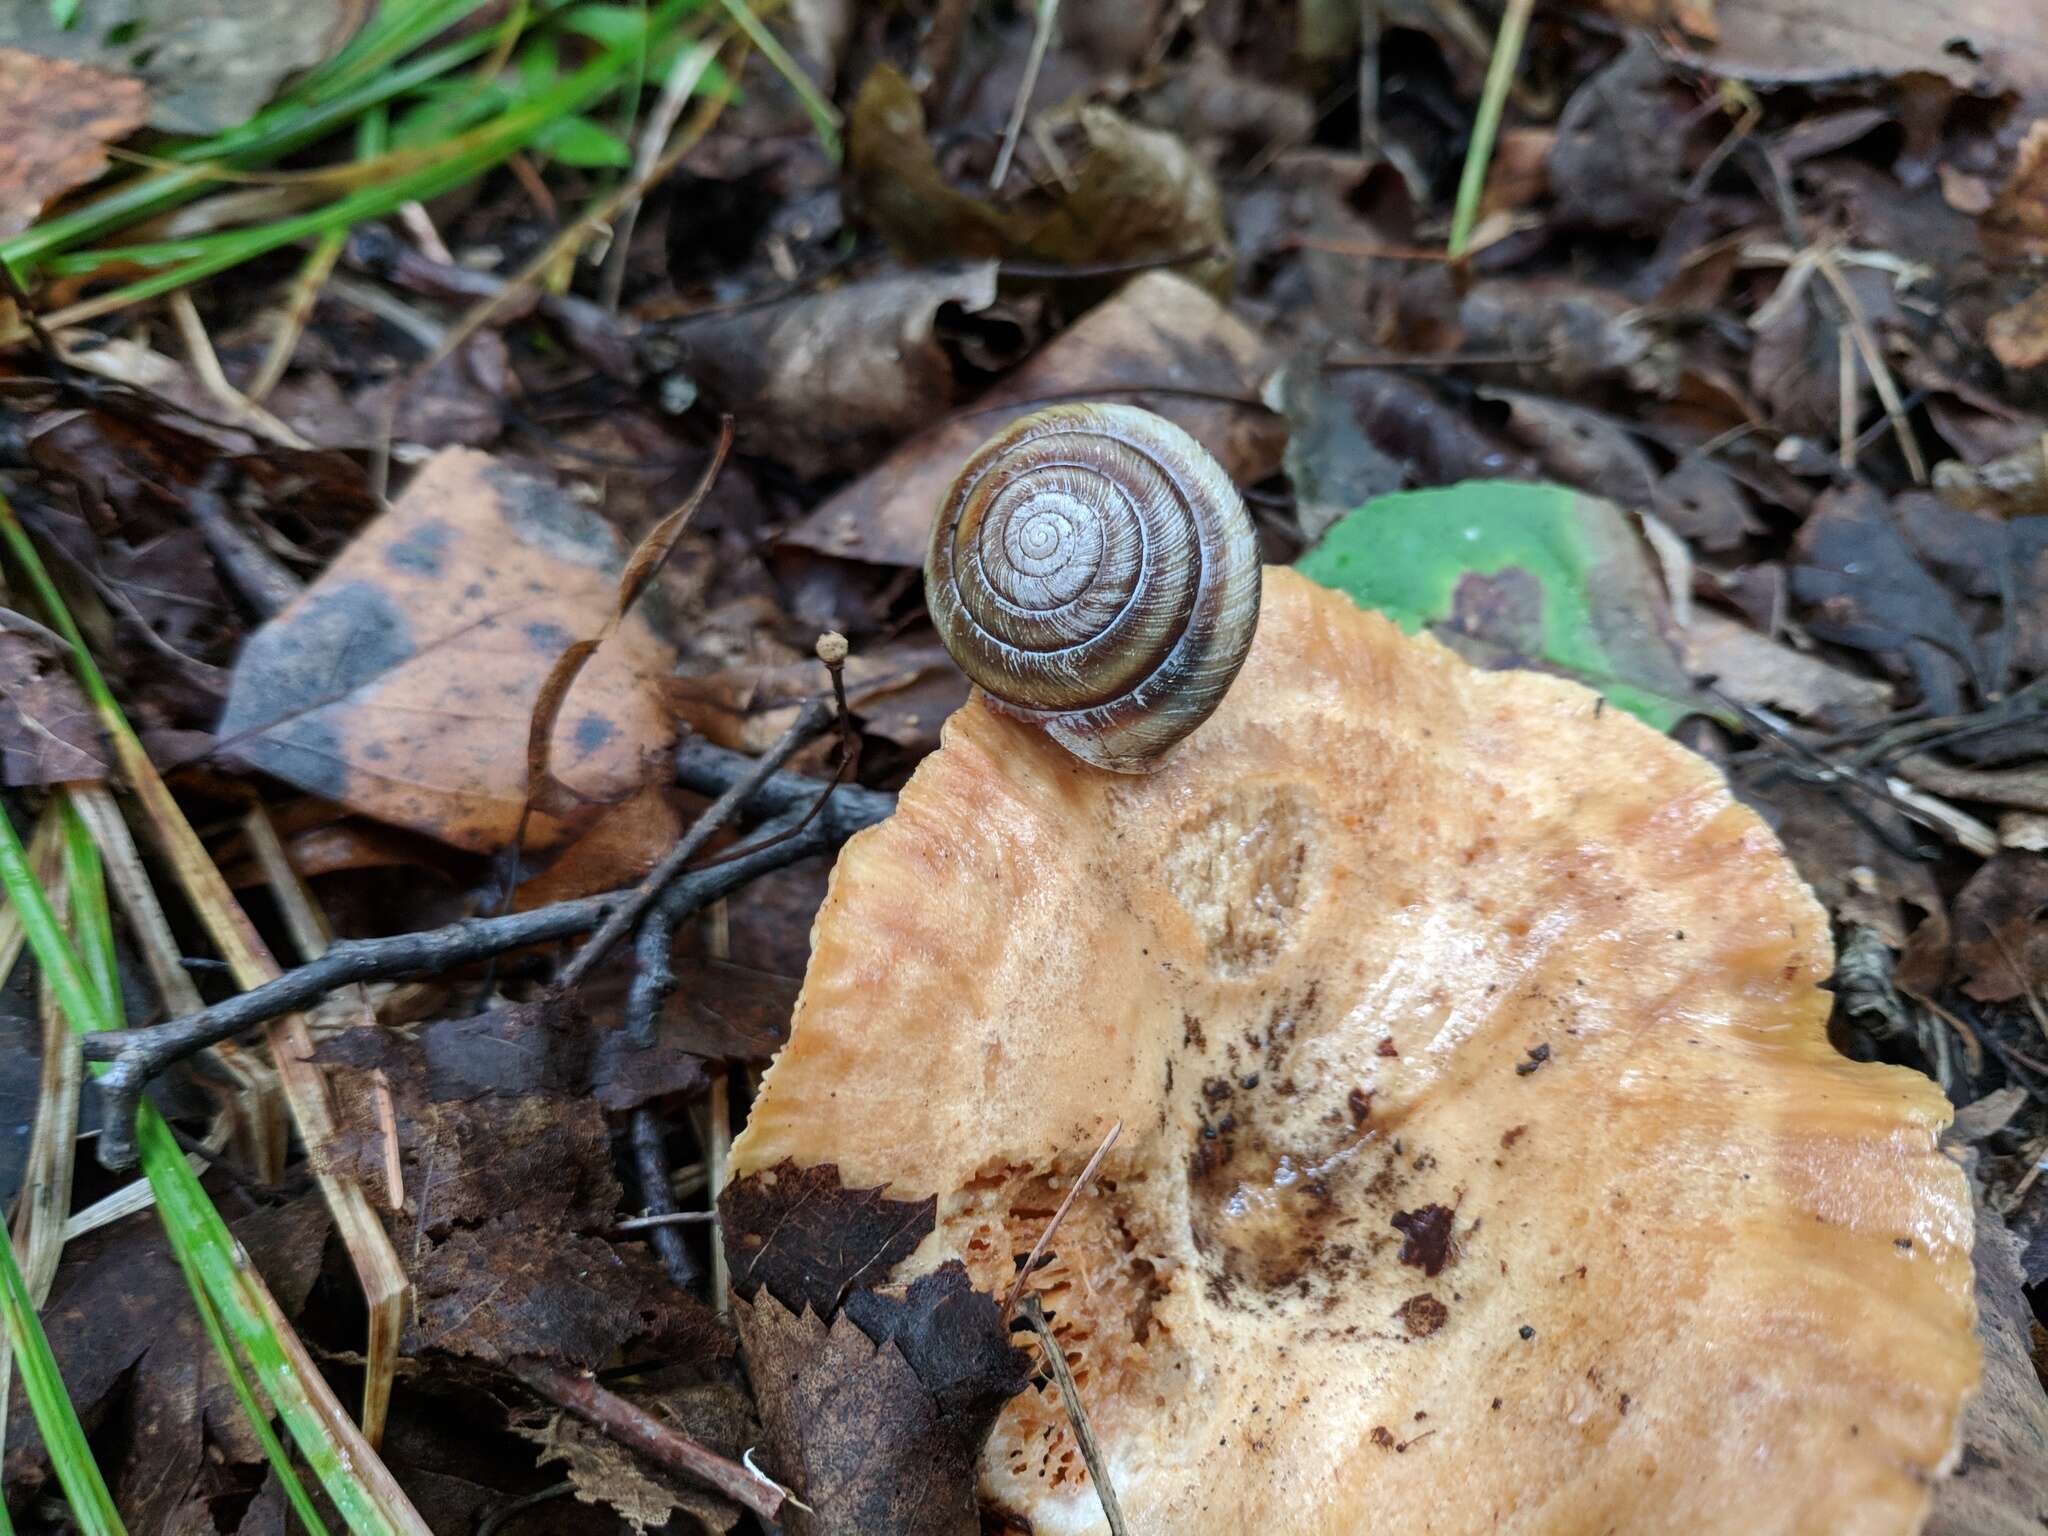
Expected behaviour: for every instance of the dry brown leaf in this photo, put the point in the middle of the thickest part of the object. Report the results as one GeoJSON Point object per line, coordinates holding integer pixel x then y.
{"type": "Point", "coordinates": [829, 381]}
{"type": "Point", "coordinates": [2000, 1487]}
{"type": "Point", "coordinates": [209, 64]}
{"type": "Point", "coordinates": [59, 116]}
{"type": "Point", "coordinates": [1160, 343]}
{"type": "Point", "coordinates": [605, 1472]}
{"type": "Point", "coordinates": [2018, 336]}
{"type": "Point", "coordinates": [1990, 44]}
{"type": "Point", "coordinates": [882, 1437]}
{"type": "Point", "coordinates": [403, 683]}
{"type": "Point", "coordinates": [2001, 932]}
{"type": "Point", "coordinates": [48, 734]}
{"type": "Point", "coordinates": [1135, 194]}
{"type": "Point", "coordinates": [1754, 670]}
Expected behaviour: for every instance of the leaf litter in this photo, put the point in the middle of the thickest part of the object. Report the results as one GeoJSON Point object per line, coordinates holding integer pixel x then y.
{"type": "Point", "coordinates": [1756, 271]}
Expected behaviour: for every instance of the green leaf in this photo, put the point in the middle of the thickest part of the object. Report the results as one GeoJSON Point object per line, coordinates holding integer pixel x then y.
{"type": "Point", "coordinates": [63, 13]}
{"type": "Point", "coordinates": [579, 142]}
{"type": "Point", "coordinates": [540, 65]}
{"type": "Point", "coordinates": [1517, 575]}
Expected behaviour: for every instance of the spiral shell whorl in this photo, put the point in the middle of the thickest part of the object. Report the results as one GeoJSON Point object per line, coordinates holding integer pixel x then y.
{"type": "Point", "coordinates": [1094, 569]}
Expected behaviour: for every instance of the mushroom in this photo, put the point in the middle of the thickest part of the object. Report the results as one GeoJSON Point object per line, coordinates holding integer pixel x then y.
{"type": "Point", "coordinates": [1485, 1165]}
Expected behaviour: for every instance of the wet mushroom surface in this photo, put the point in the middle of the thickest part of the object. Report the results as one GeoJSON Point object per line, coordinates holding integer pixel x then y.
{"type": "Point", "coordinates": [1485, 1164]}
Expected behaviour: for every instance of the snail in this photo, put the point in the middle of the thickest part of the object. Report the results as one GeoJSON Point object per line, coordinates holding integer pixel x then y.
{"type": "Point", "coordinates": [1094, 570]}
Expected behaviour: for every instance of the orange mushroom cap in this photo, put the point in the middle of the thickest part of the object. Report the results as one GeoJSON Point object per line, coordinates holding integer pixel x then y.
{"type": "Point", "coordinates": [1485, 1164]}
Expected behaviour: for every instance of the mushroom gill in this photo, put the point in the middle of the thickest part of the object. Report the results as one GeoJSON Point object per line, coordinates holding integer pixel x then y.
{"type": "Point", "coordinates": [1485, 1164]}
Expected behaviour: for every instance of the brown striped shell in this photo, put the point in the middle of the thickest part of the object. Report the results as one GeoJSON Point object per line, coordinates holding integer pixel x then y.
{"type": "Point", "coordinates": [1094, 570]}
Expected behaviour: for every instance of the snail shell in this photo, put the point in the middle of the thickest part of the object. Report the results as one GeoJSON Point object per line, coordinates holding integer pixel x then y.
{"type": "Point", "coordinates": [1093, 569]}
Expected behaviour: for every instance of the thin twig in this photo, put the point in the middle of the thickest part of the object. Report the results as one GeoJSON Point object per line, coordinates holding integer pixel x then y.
{"type": "Point", "coordinates": [650, 1161]}
{"type": "Point", "coordinates": [1041, 39]}
{"type": "Point", "coordinates": [810, 719]}
{"type": "Point", "coordinates": [653, 1222]}
{"type": "Point", "coordinates": [1058, 1216]}
{"type": "Point", "coordinates": [1084, 1433]}
{"type": "Point", "coordinates": [1880, 371]}
{"type": "Point", "coordinates": [632, 1426]}
{"type": "Point", "coordinates": [683, 76]}
{"type": "Point", "coordinates": [139, 1055]}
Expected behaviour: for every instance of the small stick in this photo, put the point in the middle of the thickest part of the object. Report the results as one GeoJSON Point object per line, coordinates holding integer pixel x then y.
{"type": "Point", "coordinates": [809, 720]}
{"type": "Point", "coordinates": [1084, 1434]}
{"type": "Point", "coordinates": [637, 1429]}
{"type": "Point", "coordinates": [667, 1219]}
{"type": "Point", "coordinates": [1058, 1216]}
{"type": "Point", "coordinates": [650, 1161]}
{"type": "Point", "coordinates": [1041, 39]}
{"type": "Point", "coordinates": [795, 834]}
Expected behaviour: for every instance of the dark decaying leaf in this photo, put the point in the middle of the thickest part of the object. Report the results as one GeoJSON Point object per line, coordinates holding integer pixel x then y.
{"type": "Point", "coordinates": [137, 1362]}
{"type": "Point", "coordinates": [1617, 163]}
{"type": "Point", "coordinates": [728, 1011]}
{"type": "Point", "coordinates": [605, 1472]}
{"type": "Point", "coordinates": [828, 382]}
{"type": "Point", "coordinates": [2000, 1484]}
{"type": "Point", "coordinates": [508, 1187]}
{"type": "Point", "coordinates": [882, 1439]}
{"type": "Point", "coordinates": [48, 733]}
{"type": "Point", "coordinates": [809, 1240]}
{"type": "Point", "coordinates": [1581, 447]}
{"type": "Point", "coordinates": [2001, 928]}
{"type": "Point", "coordinates": [404, 682]}
{"type": "Point", "coordinates": [60, 117]}
{"type": "Point", "coordinates": [1160, 343]}
{"type": "Point", "coordinates": [1136, 194]}
{"type": "Point", "coordinates": [1861, 585]}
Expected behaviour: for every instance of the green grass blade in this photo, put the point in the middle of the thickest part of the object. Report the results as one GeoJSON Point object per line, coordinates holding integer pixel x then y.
{"type": "Point", "coordinates": [93, 923]}
{"type": "Point", "coordinates": [195, 1229]}
{"type": "Point", "coordinates": [824, 116]}
{"type": "Point", "coordinates": [486, 146]}
{"type": "Point", "coordinates": [79, 1475]}
{"type": "Point", "coordinates": [1500, 78]}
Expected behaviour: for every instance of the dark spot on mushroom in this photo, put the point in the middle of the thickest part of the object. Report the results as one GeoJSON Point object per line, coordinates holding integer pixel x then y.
{"type": "Point", "coordinates": [1386, 1047]}
{"type": "Point", "coordinates": [1538, 1054]}
{"type": "Point", "coordinates": [592, 732]}
{"type": "Point", "coordinates": [1427, 1234]}
{"type": "Point", "coordinates": [1903, 1244]}
{"type": "Point", "coordinates": [1359, 1101]}
{"type": "Point", "coordinates": [1382, 1437]}
{"type": "Point", "coordinates": [548, 639]}
{"type": "Point", "coordinates": [1422, 1315]}
{"type": "Point", "coordinates": [1513, 1134]}
{"type": "Point", "coordinates": [1526, 1331]}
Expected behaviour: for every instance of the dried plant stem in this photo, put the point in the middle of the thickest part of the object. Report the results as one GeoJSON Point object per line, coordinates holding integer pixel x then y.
{"type": "Point", "coordinates": [1041, 40]}
{"type": "Point", "coordinates": [683, 76]}
{"type": "Point", "coordinates": [1031, 1259]}
{"type": "Point", "coordinates": [1873, 360]}
{"type": "Point", "coordinates": [243, 411]}
{"type": "Point", "coordinates": [638, 1430]}
{"type": "Point", "coordinates": [1077, 1415]}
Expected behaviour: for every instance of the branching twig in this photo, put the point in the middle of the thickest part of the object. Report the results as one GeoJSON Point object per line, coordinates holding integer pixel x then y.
{"type": "Point", "coordinates": [138, 1055]}
{"type": "Point", "coordinates": [810, 719]}
{"type": "Point", "coordinates": [638, 1430]}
